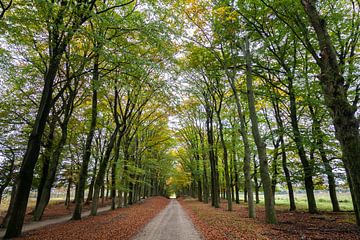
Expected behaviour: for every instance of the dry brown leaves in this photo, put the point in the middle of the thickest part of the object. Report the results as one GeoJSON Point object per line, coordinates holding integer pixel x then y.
{"type": "Point", "coordinates": [118, 224]}
{"type": "Point", "coordinates": [221, 224]}
{"type": "Point", "coordinates": [57, 210]}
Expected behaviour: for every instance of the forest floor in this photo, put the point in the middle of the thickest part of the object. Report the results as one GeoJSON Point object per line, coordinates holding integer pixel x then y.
{"type": "Point", "coordinates": [56, 210]}
{"type": "Point", "coordinates": [122, 223]}
{"type": "Point", "coordinates": [221, 224]}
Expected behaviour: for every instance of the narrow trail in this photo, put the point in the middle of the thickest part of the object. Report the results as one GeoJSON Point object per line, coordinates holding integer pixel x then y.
{"type": "Point", "coordinates": [171, 223]}
{"type": "Point", "coordinates": [36, 225]}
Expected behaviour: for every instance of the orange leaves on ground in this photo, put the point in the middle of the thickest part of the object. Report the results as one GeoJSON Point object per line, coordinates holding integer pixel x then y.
{"type": "Point", "coordinates": [121, 223]}
{"type": "Point", "coordinates": [221, 224]}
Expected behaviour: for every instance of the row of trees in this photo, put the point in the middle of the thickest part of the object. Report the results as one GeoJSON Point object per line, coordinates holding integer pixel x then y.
{"type": "Point", "coordinates": [85, 80]}
{"type": "Point", "coordinates": [267, 88]}
{"type": "Point", "coordinates": [271, 88]}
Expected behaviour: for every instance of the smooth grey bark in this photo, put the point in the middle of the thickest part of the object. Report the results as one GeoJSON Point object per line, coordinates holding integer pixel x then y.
{"type": "Point", "coordinates": [270, 214]}
{"type": "Point", "coordinates": [247, 151]}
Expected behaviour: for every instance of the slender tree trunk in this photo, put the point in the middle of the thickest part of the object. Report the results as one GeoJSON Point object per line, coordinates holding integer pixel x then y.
{"type": "Point", "coordinates": [270, 214]}
{"type": "Point", "coordinates": [55, 158]}
{"type": "Point", "coordinates": [352, 193]}
{"type": "Point", "coordinates": [45, 196]}
{"type": "Point", "coordinates": [257, 185]}
{"type": "Point", "coordinates": [248, 190]}
{"type": "Point", "coordinates": [198, 175]}
{"type": "Point", "coordinates": [280, 126]}
{"type": "Point", "coordinates": [237, 198]}
{"type": "Point", "coordinates": [213, 166]}
{"type": "Point", "coordinates": [205, 178]}
{"type": "Point", "coordinates": [113, 185]}
{"type": "Point", "coordinates": [87, 151]}
{"type": "Point", "coordinates": [275, 167]}
{"type": "Point", "coordinates": [46, 157]}
{"type": "Point", "coordinates": [318, 136]}
{"type": "Point", "coordinates": [92, 182]}
{"type": "Point", "coordinates": [102, 170]}
{"type": "Point", "coordinates": [225, 160]}
{"type": "Point", "coordinates": [68, 191]}
{"type": "Point", "coordinates": [235, 162]}
{"type": "Point", "coordinates": [308, 169]}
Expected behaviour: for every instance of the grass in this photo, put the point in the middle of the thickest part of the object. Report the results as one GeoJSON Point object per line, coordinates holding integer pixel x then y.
{"type": "Point", "coordinates": [323, 201]}
{"type": "Point", "coordinates": [31, 204]}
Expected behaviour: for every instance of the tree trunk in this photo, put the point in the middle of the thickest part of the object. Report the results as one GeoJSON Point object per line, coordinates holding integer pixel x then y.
{"type": "Point", "coordinates": [213, 165]}
{"type": "Point", "coordinates": [335, 94]}
{"type": "Point", "coordinates": [68, 191]}
{"type": "Point", "coordinates": [92, 182]}
{"type": "Point", "coordinates": [102, 170]}
{"type": "Point", "coordinates": [308, 169]}
{"type": "Point", "coordinates": [46, 157]}
{"type": "Point", "coordinates": [6, 219]}
{"type": "Point", "coordinates": [205, 178]}
{"type": "Point", "coordinates": [280, 126]}
{"type": "Point", "coordinates": [319, 139]}
{"type": "Point", "coordinates": [248, 191]}
{"type": "Point", "coordinates": [270, 214]}
{"type": "Point", "coordinates": [198, 175]}
{"type": "Point", "coordinates": [275, 167]}
{"type": "Point", "coordinates": [225, 160]}
{"type": "Point", "coordinates": [55, 157]}
{"type": "Point", "coordinates": [235, 164]}
{"type": "Point", "coordinates": [9, 175]}
{"type": "Point", "coordinates": [257, 186]}
{"type": "Point", "coordinates": [87, 151]}
{"type": "Point", "coordinates": [25, 176]}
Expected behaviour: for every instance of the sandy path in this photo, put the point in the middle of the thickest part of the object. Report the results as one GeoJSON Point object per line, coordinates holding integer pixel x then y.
{"type": "Point", "coordinates": [172, 223]}
{"type": "Point", "coordinates": [35, 225]}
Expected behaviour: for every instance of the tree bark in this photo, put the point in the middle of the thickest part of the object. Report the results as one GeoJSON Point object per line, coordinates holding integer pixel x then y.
{"type": "Point", "coordinates": [102, 170]}
{"type": "Point", "coordinates": [335, 94]}
{"type": "Point", "coordinates": [280, 126]}
{"type": "Point", "coordinates": [307, 167]}
{"type": "Point", "coordinates": [87, 151]}
{"type": "Point", "coordinates": [215, 201]}
{"type": "Point", "coordinates": [26, 173]}
{"type": "Point", "coordinates": [205, 177]}
{"type": "Point", "coordinates": [225, 160]}
{"type": "Point", "coordinates": [319, 140]}
{"type": "Point", "coordinates": [248, 189]}
{"type": "Point", "coordinates": [270, 214]}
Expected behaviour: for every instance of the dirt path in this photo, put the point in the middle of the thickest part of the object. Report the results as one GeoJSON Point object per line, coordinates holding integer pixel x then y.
{"type": "Point", "coordinates": [40, 224]}
{"type": "Point", "coordinates": [171, 223]}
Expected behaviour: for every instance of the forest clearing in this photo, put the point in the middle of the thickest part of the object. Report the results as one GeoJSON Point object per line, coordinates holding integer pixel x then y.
{"type": "Point", "coordinates": [186, 119]}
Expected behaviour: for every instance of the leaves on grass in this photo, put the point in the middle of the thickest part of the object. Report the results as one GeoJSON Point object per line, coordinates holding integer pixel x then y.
{"type": "Point", "coordinates": [218, 223]}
